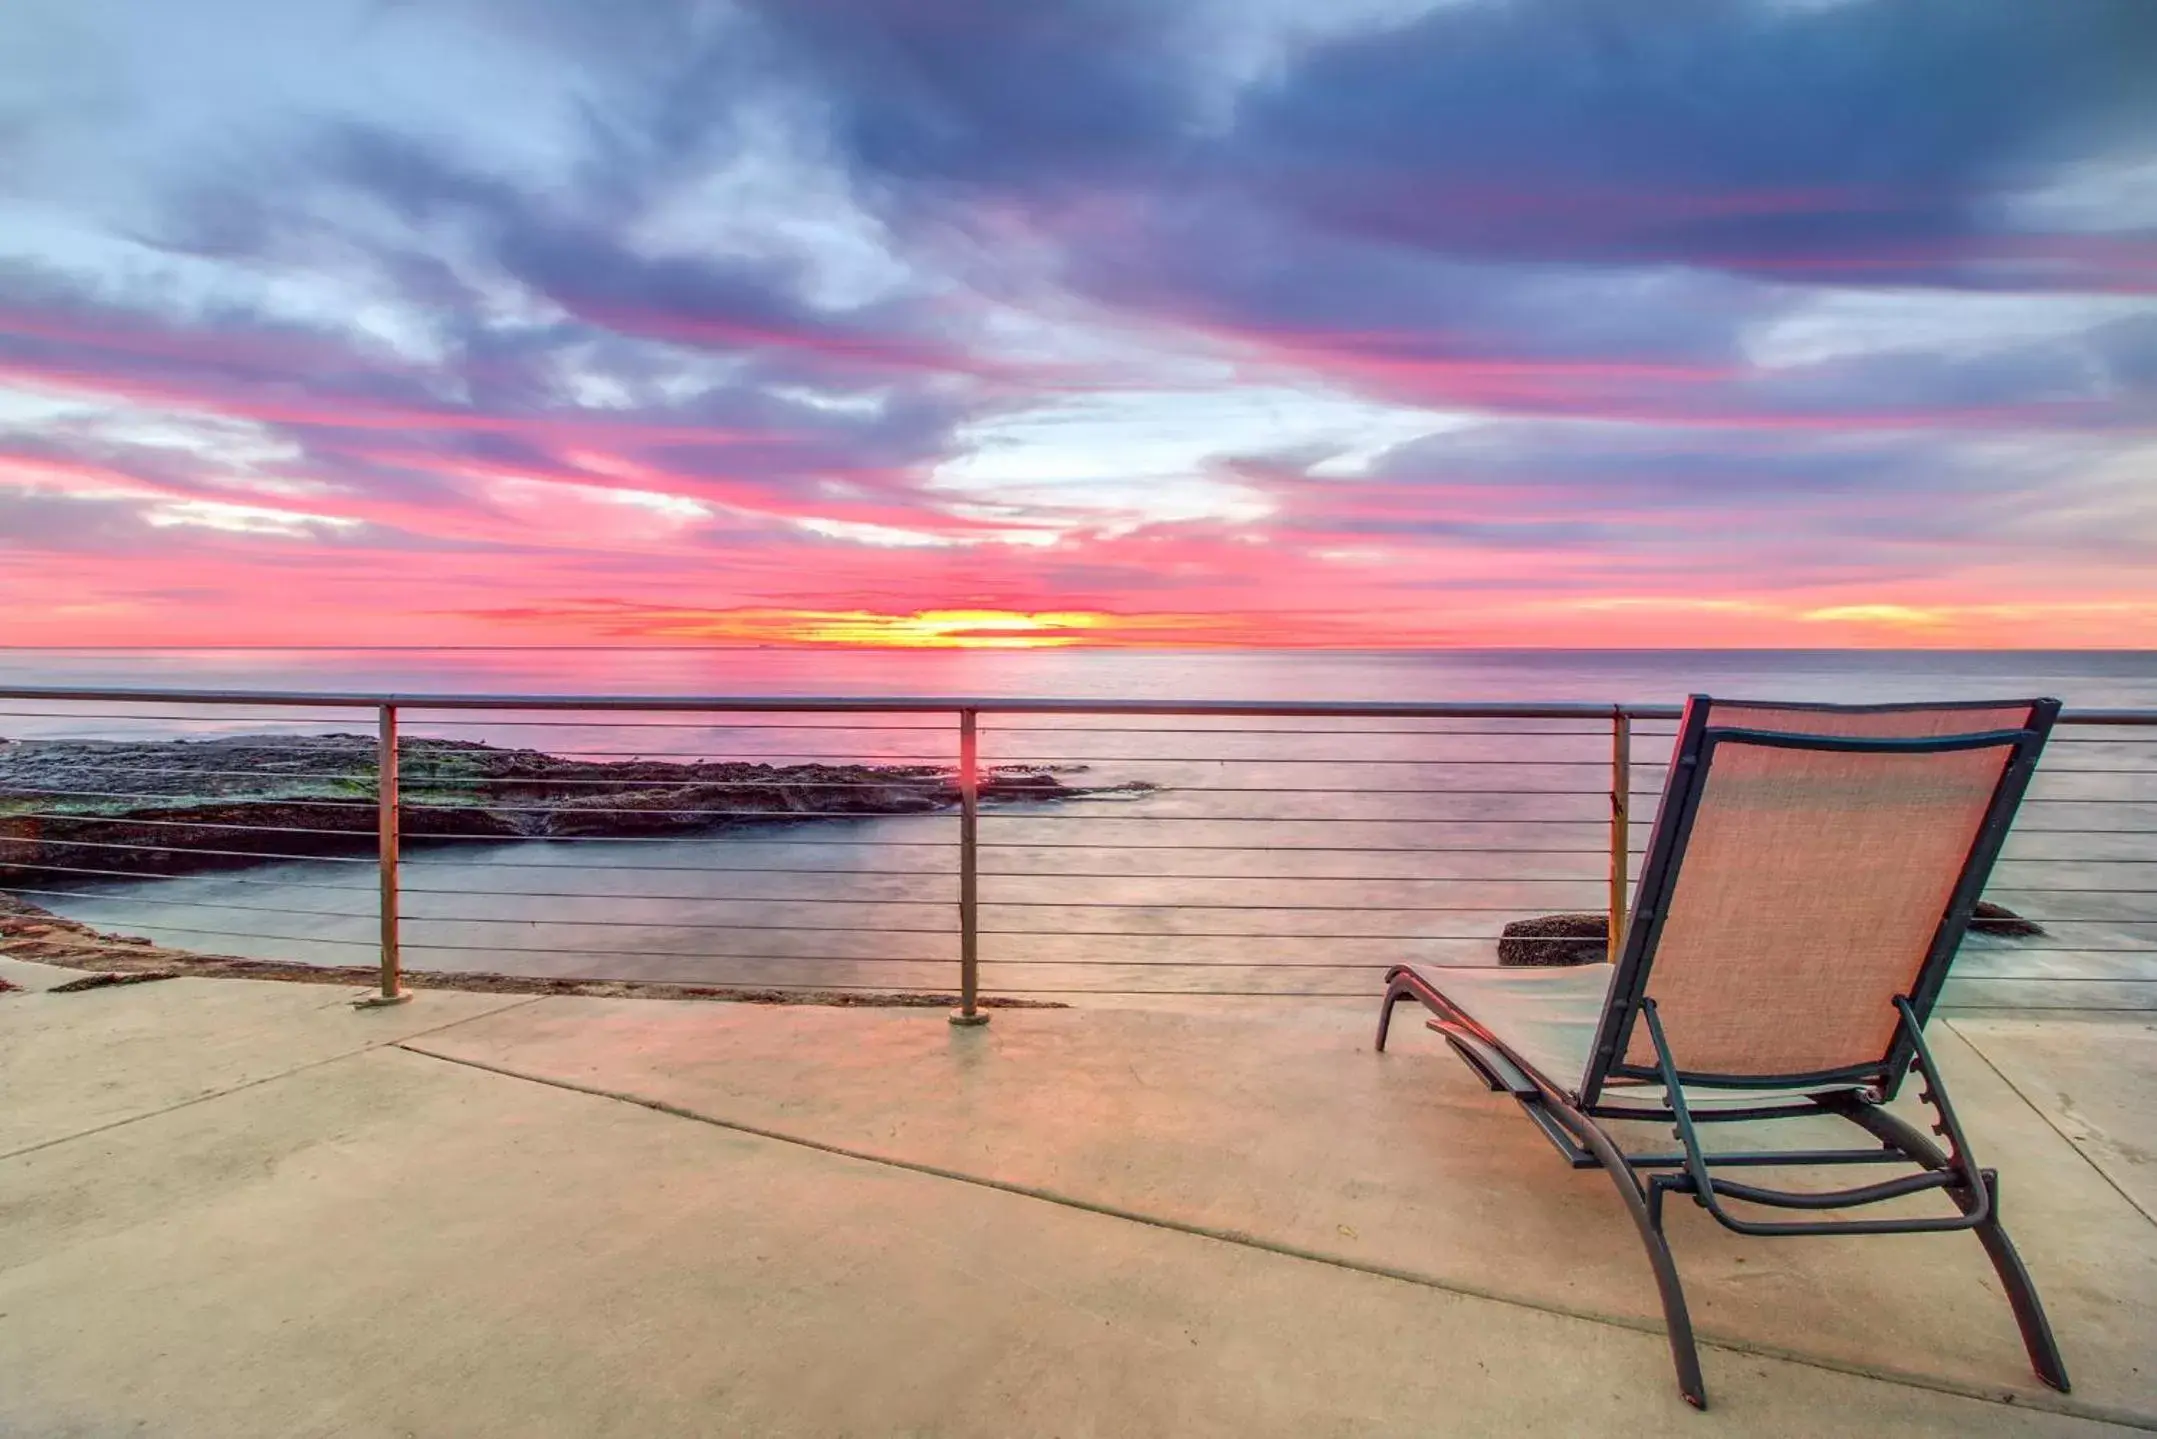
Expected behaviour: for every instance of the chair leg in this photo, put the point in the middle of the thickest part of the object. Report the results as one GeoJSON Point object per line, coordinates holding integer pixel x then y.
{"type": "Point", "coordinates": [2043, 1349]}
{"type": "Point", "coordinates": [2037, 1337]}
{"type": "Point", "coordinates": [1676, 1319]}
{"type": "Point", "coordinates": [1396, 991]}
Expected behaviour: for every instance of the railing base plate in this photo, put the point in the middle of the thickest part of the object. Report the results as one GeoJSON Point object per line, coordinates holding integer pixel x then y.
{"type": "Point", "coordinates": [969, 1021]}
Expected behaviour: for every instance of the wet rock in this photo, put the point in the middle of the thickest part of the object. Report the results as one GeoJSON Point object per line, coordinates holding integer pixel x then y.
{"type": "Point", "coordinates": [1555, 939]}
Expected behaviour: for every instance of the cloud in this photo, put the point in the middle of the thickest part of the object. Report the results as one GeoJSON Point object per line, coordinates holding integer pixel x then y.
{"type": "Point", "coordinates": [1856, 141]}
{"type": "Point", "coordinates": [1389, 322]}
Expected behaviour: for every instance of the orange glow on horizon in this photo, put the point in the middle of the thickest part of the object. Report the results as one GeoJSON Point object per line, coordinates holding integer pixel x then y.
{"type": "Point", "coordinates": [943, 629]}
{"type": "Point", "coordinates": [917, 629]}
{"type": "Point", "coordinates": [1592, 623]}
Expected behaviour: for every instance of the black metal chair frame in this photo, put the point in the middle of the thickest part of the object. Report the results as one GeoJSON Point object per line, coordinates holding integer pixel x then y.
{"type": "Point", "coordinates": [1570, 1118]}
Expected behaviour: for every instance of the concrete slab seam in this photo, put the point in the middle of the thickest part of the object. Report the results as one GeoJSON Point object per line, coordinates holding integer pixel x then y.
{"type": "Point", "coordinates": [257, 1082]}
{"type": "Point", "coordinates": [2047, 1403]}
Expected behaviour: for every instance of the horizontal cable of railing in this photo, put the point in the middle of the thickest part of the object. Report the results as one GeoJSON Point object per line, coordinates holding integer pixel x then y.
{"type": "Point", "coordinates": [1195, 841]}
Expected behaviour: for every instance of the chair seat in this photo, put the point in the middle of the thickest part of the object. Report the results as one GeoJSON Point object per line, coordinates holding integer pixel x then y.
{"type": "Point", "coordinates": [1546, 1016]}
{"type": "Point", "coordinates": [1549, 1016]}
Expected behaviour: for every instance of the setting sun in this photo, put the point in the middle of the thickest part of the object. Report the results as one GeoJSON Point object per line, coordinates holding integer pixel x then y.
{"type": "Point", "coordinates": [947, 629]}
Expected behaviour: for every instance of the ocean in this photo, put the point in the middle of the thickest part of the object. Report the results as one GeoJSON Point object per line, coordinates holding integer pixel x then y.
{"type": "Point", "coordinates": [2081, 677]}
{"type": "Point", "coordinates": [1270, 857]}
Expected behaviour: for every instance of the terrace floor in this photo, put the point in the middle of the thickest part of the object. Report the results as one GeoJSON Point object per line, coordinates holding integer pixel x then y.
{"type": "Point", "coordinates": [237, 1208]}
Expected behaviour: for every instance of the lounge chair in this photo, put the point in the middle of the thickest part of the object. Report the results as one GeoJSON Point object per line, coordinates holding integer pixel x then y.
{"type": "Point", "coordinates": [1809, 878]}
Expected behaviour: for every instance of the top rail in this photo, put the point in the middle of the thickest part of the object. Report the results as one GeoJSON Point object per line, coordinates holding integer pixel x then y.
{"type": "Point", "coordinates": [916, 704]}
{"type": "Point", "coordinates": [861, 704]}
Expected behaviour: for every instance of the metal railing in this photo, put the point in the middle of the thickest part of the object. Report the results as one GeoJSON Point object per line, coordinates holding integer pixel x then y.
{"type": "Point", "coordinates": [1220, 847]}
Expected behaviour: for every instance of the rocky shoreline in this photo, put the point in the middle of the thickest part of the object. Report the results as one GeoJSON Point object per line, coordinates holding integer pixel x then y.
{"type": "Point", "coordinates": [34, 933]}
{"type": "Point", "coordinates": [119, 808]}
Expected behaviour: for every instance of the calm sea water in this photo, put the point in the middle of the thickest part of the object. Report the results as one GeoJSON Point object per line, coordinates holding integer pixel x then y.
{"type": "Point", "coordinates": [1281, 856]}
{"type": "Point", "coordinates": [2080, 677]}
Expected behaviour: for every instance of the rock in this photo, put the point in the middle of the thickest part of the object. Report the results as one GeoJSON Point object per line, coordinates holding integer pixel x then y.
{"type": "Point", "coordinates": [108, 979]}
{"type": "Point", "coordinates": [2000, 921]}
{"type": "Point", "coordinates": [118, 808]}
{"type": "Point", "coordinates": [1554, 939]}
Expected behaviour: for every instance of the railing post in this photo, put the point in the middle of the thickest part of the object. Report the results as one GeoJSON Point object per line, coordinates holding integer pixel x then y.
{"type": "Point", "coordinates": [392, 989]}
{"type": "Point", "coordinates": [1621, 802]}
{"type": "Point", "coordinates": [969, 1011]}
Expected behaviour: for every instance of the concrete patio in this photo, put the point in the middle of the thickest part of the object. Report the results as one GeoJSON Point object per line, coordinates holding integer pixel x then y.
{"type": "Point", "coordinates": [243, 1208]}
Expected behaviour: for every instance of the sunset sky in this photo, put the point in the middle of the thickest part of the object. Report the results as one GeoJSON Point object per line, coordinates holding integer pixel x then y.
{"type": "Point", "coordinates": [1229, 322]}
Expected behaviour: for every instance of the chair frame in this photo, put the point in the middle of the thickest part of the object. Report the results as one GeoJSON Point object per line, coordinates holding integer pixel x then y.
{"type": "Point", "coordinates": [1570, 1118]}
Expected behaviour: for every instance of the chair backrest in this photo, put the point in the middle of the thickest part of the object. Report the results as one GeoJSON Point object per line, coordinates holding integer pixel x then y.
{"type": "Point", "coordinates": [1810, 864]}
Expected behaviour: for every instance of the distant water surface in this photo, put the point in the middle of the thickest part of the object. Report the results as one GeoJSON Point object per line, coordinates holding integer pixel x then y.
{"type": "Point", "coordinates": [2094, 678]}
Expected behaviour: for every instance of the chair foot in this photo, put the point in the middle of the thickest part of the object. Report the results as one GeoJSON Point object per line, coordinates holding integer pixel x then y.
{"type": "Point", "coordinates": [2037, 1338]}
{"type": "Point", "coordinates": [1395, 993]}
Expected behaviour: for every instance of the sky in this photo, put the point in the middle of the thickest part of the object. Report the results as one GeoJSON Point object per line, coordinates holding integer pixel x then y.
{"type": "Point", "coordinates": [1345, 323]}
